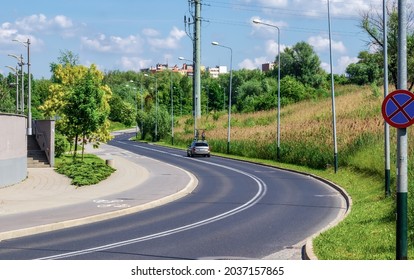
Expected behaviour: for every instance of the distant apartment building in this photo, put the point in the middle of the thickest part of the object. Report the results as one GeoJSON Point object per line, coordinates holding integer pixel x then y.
{"type": "Point", "coordinates": [186, 69]}
{"type": "Point", "coordinates": [216, 71]}
{"type": "Point", "coordinates": [268, 66]}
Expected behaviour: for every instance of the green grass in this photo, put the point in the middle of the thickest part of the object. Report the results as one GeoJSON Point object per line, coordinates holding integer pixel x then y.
{"type": "Point", "coordinates": [90, 171]}
{"type": "Point", "coordinates": [114, 126]}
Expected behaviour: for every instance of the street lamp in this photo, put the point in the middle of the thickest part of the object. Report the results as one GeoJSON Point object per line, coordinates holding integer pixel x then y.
{"type": "Point", "coordinates": [257, 21]}
{"type": "Point", "coordinates": [16, 72]}
{"type": "Point", "coordinates": [332, 93]}
{"type": "Point", "coordinates": [29, 95]}
{"type": "Point", "coordinates": [20, 63]}
{"type": "Point", "coordinates": [156, 105]}
{"type": "Point", "coordinates": [136, 109]}
{"type": "Point", "coordinates": [231, 78]}
{"type": "Point", "coordinates": [172, 109]}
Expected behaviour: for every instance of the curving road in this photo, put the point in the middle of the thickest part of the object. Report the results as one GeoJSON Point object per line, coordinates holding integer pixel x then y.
{"type": "Point", "coordinates": [238, 210]}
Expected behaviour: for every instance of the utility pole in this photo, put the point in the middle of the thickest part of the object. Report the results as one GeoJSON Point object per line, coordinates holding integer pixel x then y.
{"type": "Point", "coordinates": [195, 36]}
{"type": "Point", "coordinates": [197, 58]}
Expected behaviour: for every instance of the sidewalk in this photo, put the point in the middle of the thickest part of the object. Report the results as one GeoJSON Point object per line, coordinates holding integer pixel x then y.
{"type": "Point", "coordinates": [47, 201]}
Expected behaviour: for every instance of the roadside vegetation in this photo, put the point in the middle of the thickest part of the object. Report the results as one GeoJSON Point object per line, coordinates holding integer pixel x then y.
{"type": "Point", "coordinates": [87, 171]}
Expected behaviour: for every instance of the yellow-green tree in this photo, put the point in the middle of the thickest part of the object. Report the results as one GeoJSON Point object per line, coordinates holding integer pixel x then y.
{"type": "Point", "coordinates": [80, 102]}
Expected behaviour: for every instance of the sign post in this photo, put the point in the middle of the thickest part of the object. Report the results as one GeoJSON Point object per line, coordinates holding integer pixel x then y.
{"type": "Point", "coordinates": [398, 111]}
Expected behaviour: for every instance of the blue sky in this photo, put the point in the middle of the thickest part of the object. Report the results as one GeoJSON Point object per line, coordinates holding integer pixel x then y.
{"type": "Point", "coordinates": [134, 34]}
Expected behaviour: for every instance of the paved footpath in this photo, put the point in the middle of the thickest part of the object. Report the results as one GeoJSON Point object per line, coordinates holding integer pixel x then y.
{"type": "Point", "coordinates": [47, 201]}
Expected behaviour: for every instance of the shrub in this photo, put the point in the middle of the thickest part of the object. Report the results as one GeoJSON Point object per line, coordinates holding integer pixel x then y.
{"type": "Point", "coordinates": [88, 172]}
{"type": "Point", "coordinates": [61, 145]}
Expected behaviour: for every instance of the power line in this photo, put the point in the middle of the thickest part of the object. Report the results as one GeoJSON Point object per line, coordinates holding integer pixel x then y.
{"type": "Point", "coordinates": [290, 29]}
{"type": "Point", "coordinates": [279, 11]}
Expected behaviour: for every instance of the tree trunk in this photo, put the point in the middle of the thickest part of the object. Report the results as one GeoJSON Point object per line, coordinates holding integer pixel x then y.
{"type": "Point", "coordinates": [76, 146]}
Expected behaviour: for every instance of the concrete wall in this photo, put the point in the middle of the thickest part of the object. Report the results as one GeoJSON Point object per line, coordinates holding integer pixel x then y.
{"type": "Point", "coordinates": [13, 149]}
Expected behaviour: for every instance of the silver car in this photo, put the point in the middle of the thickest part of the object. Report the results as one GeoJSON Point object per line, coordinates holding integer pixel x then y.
{"type": "Point", "coordinates": [198, 148]}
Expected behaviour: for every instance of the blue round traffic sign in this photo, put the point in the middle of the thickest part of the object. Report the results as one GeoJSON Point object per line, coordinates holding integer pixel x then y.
{"type": "Point", "coordinates": [398, 108]}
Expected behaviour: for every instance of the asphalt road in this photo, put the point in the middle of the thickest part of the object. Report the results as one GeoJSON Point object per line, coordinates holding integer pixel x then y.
{"type": "Point", "coordinates": [239, 210]}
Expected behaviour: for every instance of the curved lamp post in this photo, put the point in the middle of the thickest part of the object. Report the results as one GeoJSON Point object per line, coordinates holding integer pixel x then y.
{"type": "Point", "coordinates": [29, 94]}
{"type": "Point", "coordinates": [136, 109]}
{"type": "Point", "coordinates": [231, 77]}
{"type": "Point", "coordinates": [16, 72]}
{"type": "Point", "coordinates": [257, 21]}
{"type": "Point", "coordinates": [20, 63]}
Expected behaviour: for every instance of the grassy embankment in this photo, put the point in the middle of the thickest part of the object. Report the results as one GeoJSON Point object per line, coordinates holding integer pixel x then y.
{"type": "Point", "coordinates": [368, 232]}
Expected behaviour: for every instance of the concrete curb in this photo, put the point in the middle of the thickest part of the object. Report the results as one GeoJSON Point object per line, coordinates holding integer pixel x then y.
{"type": "Point", "coordinates": [307, 251]}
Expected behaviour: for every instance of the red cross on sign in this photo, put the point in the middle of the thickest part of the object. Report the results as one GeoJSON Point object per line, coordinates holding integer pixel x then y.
{"type": "Point", "coordinates": [398, 108]}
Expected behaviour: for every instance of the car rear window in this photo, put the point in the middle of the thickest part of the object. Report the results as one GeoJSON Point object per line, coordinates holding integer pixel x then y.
{"type": "Point", "coordinates": [201, 144]}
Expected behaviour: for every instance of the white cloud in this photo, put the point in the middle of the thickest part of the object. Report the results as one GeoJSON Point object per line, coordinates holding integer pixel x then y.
{"type": "Point", "coordinates": [8, 33]}
{"type": "Point", "coordinates": [341, 64]}
{"type": "Point", "coordinates": [170, 42]}
{"type": "Point", "coordinates": [134, 63]}
{"type": "Point", "coordinates": [266, 30]}
{"type": "Point", "coordinates": [37, 23]}
{"type": "Point", "coordinates": [63, 21]}
{"type": "Point", "coordinates": [150, 32]}
{"type": "Point", "coordinates": [113, 44]}
{"type": "Point", "coordinates": [322, 44]}
{"type": "Point", "coordinates": [269, 3]}
{"type": "Point", "coordinates": [272, 48]}
{"type": "Point", "coordinates": [27, 27]}
{"type": "Point", "coordinates": [255, 63]}
{"type": "Point", "coordinates": [273, 3]}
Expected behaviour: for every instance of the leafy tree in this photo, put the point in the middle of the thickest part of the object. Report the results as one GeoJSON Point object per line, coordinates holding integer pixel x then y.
{"type": "Point", "coordinates": [7, 94]}
{"type": "Point", "coordinates": [372, 24]}
{"type": "Point", "coordinates": [248, 93]}
{"type": "Point", "coordinates": [302, 63]}
{"type": "Point", "coordinates": [66, 58]}
{"type": "Point", "coordinates": [292, 90]}
{"type": "Point", "coordinates": [367, 70]}
{"type": "Point", "coordinates": [121, 111]}
{"type": "Point", "coordinates": [257, 95]}
{"type": "Point", "coordinates": [40, 90]}
{"type": "Point", "coordinates": [78, 95]}
{"type": "Point", "coordinates": [83, 108]}
{"type": "Point", "coordinates": [159, 119]}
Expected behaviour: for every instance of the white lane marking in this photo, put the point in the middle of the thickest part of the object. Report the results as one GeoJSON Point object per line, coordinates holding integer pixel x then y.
{"type": "Point", "coordinates": [116, 203]}
{"type": "Point", "coordinates": [262, 189]}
